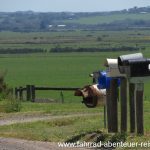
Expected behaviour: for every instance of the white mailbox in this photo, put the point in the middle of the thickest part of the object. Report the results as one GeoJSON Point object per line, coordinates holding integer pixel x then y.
{"type": "Point", "coordinates": [112, 68]}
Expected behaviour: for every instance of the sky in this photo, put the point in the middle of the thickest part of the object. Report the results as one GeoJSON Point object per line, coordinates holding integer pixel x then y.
{"type": "Point", "coordinates": [69, 5]}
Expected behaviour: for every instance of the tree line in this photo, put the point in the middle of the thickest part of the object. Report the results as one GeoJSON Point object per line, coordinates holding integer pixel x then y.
{"type": "Point", "coordinates": [21, 51]}
{"type": "Point", "coordinates": [69, 49]}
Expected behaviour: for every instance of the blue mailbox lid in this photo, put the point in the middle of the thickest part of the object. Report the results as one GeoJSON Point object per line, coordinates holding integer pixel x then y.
{"type": "Point", "coordinates": [104, 81]}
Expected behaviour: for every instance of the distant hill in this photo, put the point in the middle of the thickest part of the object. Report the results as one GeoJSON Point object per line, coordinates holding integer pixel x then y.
{"type": "Point", "coordinates": [111, 18]}
{"type": "Point", "coordinates": [37, 21]}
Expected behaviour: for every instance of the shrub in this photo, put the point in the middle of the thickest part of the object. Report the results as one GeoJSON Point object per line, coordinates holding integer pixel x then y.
{"type": "Point", "coordinates": [12, 105]}
{"type": "Point", "coordinates": [8, 103]}
{"type": "Point", "coordinates": [99, 39]}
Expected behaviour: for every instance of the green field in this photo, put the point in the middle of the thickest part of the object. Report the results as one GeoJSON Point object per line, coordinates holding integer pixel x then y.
{"type": "Point", "coordinates": [63, 70]}
{"type": "Point", "coordinates": [56, 70]}
{"type": "Point", "coordinates": [110, 18]}
{"type": "Point", "coordinates": [75, 39]}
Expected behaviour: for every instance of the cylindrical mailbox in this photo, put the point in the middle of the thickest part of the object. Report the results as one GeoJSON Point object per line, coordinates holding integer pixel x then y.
{"type": "Point", "coordinates": [138, 67]}
{"type": "Point", "coordinates": [92, 96]}
{"type": "Point", "coordinates": [112, 68]}
{"type": "Point", "coordinates": [104, 80]}
{"type": "Point", "coordinates": [124, 58]}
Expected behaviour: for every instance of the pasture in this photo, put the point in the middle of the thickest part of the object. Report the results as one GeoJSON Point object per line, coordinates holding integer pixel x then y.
{"type": "Point", "coordinates": [56, 70]}
{"type": "Point", "coordinates": [108, 18]}
{"type": "Point", "coordinates": [63, 70]}
{"type": "Point", "coordinates": [75, 39]}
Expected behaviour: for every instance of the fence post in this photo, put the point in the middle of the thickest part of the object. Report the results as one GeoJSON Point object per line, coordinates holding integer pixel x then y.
{"type": "Point", "coordinates": [62, 97]}
{"type": "Point", "coordinates": [28, 93]}
{"type": "Point", "coordinates": [20, 93]}
{"type": "Point", "coordinates": [139, 108]}
{"type": "Point", "coordinates": [123, 102]}
{"type": "Point", "coordinates": [16, 93]}
{"type": "Point", "coordinates": [33, 93]}
{"type": "Point", "coordinates": [132, 106]}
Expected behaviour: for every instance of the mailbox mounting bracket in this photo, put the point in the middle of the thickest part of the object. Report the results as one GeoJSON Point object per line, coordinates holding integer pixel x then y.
{"type": "Point", "coordinates": [139, 79]}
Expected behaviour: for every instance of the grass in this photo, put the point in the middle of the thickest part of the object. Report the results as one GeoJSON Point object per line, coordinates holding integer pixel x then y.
{"type": "Point", "coordinates": [75, 39]}
{"type": "Point", "coordinates": [64, 69]}
{"type": "Point", "coordinates": [56, 130]}
{"type": "Point", "coordinates": [32, 109]}
{"type": "Point", "coordinates": [58, 109]}
{"type": "Point", "coordinates": [64, 129]}
{"type": "Point", "coordinates": [60, 70]}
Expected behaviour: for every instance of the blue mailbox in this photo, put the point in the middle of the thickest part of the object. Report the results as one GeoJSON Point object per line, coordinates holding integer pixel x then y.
{"type": "Point", "coordinates": [104, 80]}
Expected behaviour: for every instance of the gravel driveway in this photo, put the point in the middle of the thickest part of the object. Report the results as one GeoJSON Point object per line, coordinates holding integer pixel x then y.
{"type": "Point", "coordinates": [18, 144]}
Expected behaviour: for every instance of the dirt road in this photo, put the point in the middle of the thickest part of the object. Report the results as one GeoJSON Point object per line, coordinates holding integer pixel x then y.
{"type": "Point", "coordinates": [33, 118]}
{"type": "Point", "coordinates": [18, 144]}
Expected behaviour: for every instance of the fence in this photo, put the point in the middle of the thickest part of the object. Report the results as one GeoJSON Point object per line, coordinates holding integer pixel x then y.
{"type": "Point", "coordinates": [30, 91]}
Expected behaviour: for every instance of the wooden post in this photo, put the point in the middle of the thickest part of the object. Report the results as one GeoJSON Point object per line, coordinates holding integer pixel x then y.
{"type": "Point", "coordinates": [16, 93]}
{"type": "Point", "coordinates": [123, 102]}
{"type": "Point", "coordinates": [28, 93]}
{"type": "Point", "coordinates": [105, 124]}
{"type": "Point", "coordinates": [20, 93]}
{"type": "Point", "coordinates": [132, 106]}
{"type": "Point", "coordinates": [62, 97]}
{"type": "Point", "coordinates": [33, 93]}
{"type": "Point", "coordinates": [139, 108]}
{"type": "Point", "coordinates": [114, 105]}
{"type": "Point", "coordinates": [108, 107]}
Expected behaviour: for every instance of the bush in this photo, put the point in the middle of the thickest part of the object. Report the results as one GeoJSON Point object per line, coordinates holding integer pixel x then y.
{"type": "Point", "coordinates": [99, 39]}
{"type": "Point", "coordinates": [8, 103]}
{"type": "Point", "coordinates": [12, 105]}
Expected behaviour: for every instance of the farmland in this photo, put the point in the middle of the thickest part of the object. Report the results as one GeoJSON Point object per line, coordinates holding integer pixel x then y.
{"type": "Point", "coordinates": [68, 69]}
{"type": "Point", "coordinates": [108, 18]}
{"type": "Point", "coordinates": [75, 39]}
{"type": "Point", "coordinates": [63, 69]}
